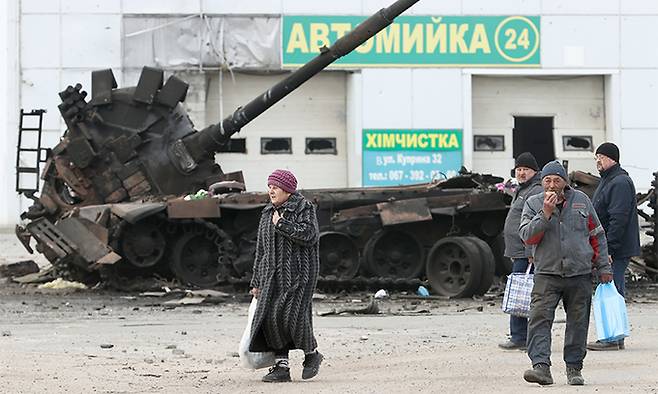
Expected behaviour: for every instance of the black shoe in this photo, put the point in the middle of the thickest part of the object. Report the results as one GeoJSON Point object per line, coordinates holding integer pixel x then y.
{"type": "Point", "coordinates": [312, 364]}
{"type": "Point", "coordinates": [574, 377]}
{"type": "Point", "coordinates": [598, 345]}
{"type": "Point", "coordinates": [509, 345]}
{"type": "Point", "coordinates": [277, 374]}
{"type": "Point", "coordinates": [540, 373]}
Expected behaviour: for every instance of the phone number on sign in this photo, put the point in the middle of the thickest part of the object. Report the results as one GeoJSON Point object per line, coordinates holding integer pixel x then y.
{"type": "Point", "coordinates": [401, 175]}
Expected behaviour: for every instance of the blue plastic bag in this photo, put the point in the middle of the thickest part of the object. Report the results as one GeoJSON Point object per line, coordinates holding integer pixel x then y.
{"type": "Point", "coordinates": [610, 313]}
{"type": "Point", "coordinates": [422, 291]}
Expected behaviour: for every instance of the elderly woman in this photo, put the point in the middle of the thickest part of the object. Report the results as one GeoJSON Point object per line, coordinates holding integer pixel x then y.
{"type": "Point", "coordinates": [285, 274]}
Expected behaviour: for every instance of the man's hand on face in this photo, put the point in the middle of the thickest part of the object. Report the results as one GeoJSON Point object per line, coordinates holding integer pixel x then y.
{"type": "Point", "coordinates": [550, 200]}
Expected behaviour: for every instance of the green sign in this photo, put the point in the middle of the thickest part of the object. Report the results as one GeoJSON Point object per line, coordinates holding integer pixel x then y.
{"type": "Point", "coordinates": [403, 157]}
{"type": "Point", "coordinates": [419, 41]}
{"type": "Point", "coordinates": [416, 140]}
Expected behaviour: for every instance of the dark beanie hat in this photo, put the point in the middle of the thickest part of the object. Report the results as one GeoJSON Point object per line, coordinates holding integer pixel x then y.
{"type": "Point", "coordinates": [283, 179]}
{"type": "Point", "coordinates": [609, 149]}
{"type": "Point", "coordinates": [526, 159]}
{"type": "Point", "coordinates": [554, 168]}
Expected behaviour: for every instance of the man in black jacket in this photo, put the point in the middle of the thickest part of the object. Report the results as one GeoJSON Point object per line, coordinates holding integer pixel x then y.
{"type": "Point", "coordinates": [616, 206]}
{"type": "Point", "coordinates": [526, 172]}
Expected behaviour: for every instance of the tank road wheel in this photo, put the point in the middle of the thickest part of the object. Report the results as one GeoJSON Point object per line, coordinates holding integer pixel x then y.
{"type": "Point", "coordinates": [339, 255]}
{"type": "Point", "coordinates": [143, 244]}
{"type": "Point", "coordinates": [454, 268]}
{"type": "Point", "coordinates": [488, 264]}
{"type": "Point", "coordinates": [202, 255]}
{"type": "Point", "coordinates": [394, 254]}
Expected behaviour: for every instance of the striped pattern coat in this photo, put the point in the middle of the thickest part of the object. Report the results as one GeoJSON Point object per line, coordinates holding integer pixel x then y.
{"type": "Point", "coordinates": [286, 269]}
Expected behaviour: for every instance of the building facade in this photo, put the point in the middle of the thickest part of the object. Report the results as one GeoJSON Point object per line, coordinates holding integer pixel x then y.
{"type": "Point", "coordinates": [468, 83]}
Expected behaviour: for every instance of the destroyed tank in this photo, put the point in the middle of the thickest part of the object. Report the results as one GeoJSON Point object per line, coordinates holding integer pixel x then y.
{"type": "Point", "coordinates": [112, 204]}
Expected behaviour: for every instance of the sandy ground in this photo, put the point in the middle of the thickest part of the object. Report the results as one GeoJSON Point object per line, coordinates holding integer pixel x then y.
{"type": "Point", "coordinates": [52, 341]}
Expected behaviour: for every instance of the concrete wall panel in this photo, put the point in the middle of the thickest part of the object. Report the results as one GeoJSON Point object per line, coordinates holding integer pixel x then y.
{"type": "Point", "coordinates": [580, 41]}
{"type": "Point", "coordinates": [91, 6]}
{"type": "Point", "coordinates": [437, 98]}
{"type": "Point", "coordinates": [162, 7]}
{"type": "Point", "coordinates": [640, 166]}
{"type": "Point", "coordinates": [242, 7]}
{"type": "Point", "coordinates": [585, 7]}
{"type": "Point", "coordinates": [92, 41]}
{"type": "Point", "coordinates": [39, 90]}
{"type": "Point", "coordinates": [40, 44]}
{"type": "Point", "coordinates": [40, 6]}
{"type": "Point", "coordinates": [639, 95]}
{"type": "Point", "coordinates": [387, 98]}
{"type": "Point", "coordinates": [334, 7]}
{"type": "Point", "coordinates": [639, 35]}
{"type": "Point", "coordinates": [639, 7]}
{"type": "Point", "coordinates": [501, 7]}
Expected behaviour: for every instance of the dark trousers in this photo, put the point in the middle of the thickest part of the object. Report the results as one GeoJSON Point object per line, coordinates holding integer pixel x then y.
{"type": "Point", "coordinates": [518, 326]}
{"type": "Point", "coordinates": [576, 296]}
{"type": "Point", "coordinates": [618, 270]}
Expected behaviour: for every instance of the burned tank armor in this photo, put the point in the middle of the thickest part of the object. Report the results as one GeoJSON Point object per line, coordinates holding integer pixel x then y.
{"type": "Point", "coordinates": [112, 197]}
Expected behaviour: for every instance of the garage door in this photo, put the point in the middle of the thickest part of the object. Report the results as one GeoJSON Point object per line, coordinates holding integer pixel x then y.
{"type": "Point", "coordinates": [305, 132]}
{"type": "Point", "coordinates": [555, 117]}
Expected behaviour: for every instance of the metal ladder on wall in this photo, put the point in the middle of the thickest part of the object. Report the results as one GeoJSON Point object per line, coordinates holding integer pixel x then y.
{"type": "Point", "coordinates": [20, 149]}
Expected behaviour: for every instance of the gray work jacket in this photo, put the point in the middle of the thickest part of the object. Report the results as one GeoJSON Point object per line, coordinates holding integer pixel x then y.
{"type": "Point", "coordinates": [514, 246]}
{"type": "Point", "coordinates": [571, 242]}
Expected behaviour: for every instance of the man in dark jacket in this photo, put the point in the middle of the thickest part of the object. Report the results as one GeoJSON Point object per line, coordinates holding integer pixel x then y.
{"type": "Point", "coordinates": [616, 205]}
{"type": "Point", "coordinates": [525, 171]}
{"type": "Point", "coordinates": [567, 241]}
{"type": "Point", "coordinates": [286, 270]}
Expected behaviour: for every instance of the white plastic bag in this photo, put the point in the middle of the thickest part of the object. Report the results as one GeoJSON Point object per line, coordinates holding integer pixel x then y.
{"type": "Point", "coordinates": [610, 313]}
{"type": "Point", "coordinates": [253, 360]}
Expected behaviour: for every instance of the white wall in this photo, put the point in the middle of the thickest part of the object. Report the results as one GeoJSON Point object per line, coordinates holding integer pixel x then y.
{"type": "Point", "coordinates": [412, 98]}
{"type": "Point", "coordinates": [9, 95]}
{"type": "Point", "coordinates": [62, 41]}
{"type": "Point", "coordinates": [639, 91]}
{"type": "Point", "coordinates": [353, 127]}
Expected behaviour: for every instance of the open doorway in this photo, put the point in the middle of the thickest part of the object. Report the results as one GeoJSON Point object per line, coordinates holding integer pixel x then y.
{"type": "Point", "coordinates": [534, 134]}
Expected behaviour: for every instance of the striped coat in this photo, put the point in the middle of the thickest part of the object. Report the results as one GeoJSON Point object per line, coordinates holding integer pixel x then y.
{"type": "Point", "coordinates": [286, 269]}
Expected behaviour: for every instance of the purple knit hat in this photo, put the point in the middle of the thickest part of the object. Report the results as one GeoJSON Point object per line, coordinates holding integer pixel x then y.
{"type": "Point", "coordinates": [283, 179]}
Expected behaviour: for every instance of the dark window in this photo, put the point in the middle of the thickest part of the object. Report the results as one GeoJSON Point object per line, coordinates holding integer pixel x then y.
{"type": "Point", "coordinates": [235, 145]}
{"type": "Point", "coordinates": [491, 143]}
{"type": "Point", "coordinates": [534, 134]}
{"type": "Point", "coordinates": [577, 143]}
{"type": "Point", "coordinates": [321, 146]}
{"type": "Point", "coordinates": [275, 145]}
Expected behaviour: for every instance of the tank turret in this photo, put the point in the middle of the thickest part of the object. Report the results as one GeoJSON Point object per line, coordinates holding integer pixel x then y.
{"type": "Point", "coordinates": [138, 142]}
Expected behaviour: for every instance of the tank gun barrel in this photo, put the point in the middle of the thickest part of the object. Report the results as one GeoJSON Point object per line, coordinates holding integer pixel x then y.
{"type": "Point", "coordinates": [204, 143]}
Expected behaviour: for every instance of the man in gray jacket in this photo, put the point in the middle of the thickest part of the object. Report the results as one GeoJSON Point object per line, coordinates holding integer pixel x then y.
{"type": "Point", "coordinates": [526, 172]}
{"type": "Point", "coordinates": [567, 241]}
